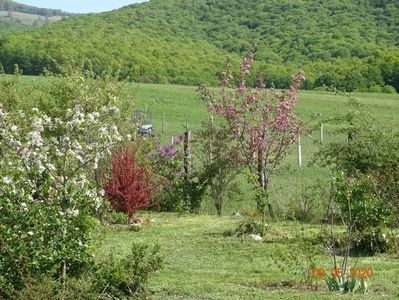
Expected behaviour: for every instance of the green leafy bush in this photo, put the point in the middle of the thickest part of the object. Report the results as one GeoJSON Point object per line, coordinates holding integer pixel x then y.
{"type": "Point", "coordinates": [366, 189]}
{"type": "Point", "coordinates": [357, 196]}
{"type": "Point", "coordinates": [115, 217]}
{"type": "Point", "coordinates": [128, 276]}
{"type": "Point", "coordinates": [48, 191]}
{"type": "Point", "coordinates": [358, 200]}
{"type": "Point", "coordinates": [219, 167]}
{"type": "Point", "coordinates": [307, 202]}
{"type": "Point", "coordinates": [370, 145]}
{"type": "Point", "coordinates": [114, 278]}
{"type": "Point", "coordinates": [388, 89]}
{"type": "Point", "coordinates": [250, 226]}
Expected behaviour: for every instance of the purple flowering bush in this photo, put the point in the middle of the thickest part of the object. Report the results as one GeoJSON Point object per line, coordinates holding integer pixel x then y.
{"type": "Point", "coordinates": [167, 162]}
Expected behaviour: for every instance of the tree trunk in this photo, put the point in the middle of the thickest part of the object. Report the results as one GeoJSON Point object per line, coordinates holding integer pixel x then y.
{"type": "Point", "coordinates": [264, 184]}
{"type": "Point", "coordinates": [219, 209]}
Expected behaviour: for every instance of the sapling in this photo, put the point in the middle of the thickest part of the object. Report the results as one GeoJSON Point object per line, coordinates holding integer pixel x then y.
{"type": "Point", "coordinates": [263, 122]}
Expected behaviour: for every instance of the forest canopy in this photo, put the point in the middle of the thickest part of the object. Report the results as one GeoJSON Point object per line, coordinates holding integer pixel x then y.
{"type": "Point", "coordinates": [350, 44]}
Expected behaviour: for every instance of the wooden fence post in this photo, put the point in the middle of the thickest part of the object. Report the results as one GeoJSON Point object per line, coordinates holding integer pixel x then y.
{"type": "Point", "coordinates": [186, 165]}
{"type": "Point", "coordinates": [321, 132]}
{"type": "Point", "coordinates": [186, 123]}
{"type": "Point", "coordinates": [187, 137]}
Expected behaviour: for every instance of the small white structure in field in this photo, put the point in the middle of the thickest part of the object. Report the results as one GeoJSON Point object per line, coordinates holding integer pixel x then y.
{"type": "Point", "coordinates": [256, 237]}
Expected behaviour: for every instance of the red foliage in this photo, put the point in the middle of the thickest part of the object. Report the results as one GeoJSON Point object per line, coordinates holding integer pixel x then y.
{"type": "Point", "coordinates": [132, 186]}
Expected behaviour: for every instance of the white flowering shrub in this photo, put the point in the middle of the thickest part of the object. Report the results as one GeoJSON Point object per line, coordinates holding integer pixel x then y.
{"type": "Point", "coordinates": [47, 191]}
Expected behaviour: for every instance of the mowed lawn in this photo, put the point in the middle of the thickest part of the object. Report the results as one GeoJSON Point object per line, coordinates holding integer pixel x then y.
{"type": "Point", "coordinates": [201, 262]}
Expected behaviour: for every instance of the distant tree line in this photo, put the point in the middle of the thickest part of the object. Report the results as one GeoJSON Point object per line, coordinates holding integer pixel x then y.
{"type": "Point", "coordinates": [8, 5]}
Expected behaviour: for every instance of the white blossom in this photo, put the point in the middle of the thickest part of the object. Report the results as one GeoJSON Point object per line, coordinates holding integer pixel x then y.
{"type": "Point", "coordinates": [85, 136]}
{"type": "Point", "coordinates": [35, 139]}
{"type": "Point", "coordinates": [72, 212]}
{"type": "Point", "coordinates": [7, 179]}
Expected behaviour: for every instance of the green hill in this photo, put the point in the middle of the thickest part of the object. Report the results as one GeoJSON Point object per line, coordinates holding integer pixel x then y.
{"type": "Point", "coordinates": [351, 44]}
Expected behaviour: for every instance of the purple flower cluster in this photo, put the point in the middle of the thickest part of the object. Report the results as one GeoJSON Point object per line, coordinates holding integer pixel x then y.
{"type": "Point", "coordinates": [170, 150]}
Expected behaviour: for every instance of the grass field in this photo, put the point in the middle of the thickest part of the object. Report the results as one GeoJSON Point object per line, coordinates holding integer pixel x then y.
{"type": "Point", "coordinates": [202, 263]}
{"type": "Point", "coordinates": [177, 102]}
{"type": "Point", "coordinates": [28, 19]}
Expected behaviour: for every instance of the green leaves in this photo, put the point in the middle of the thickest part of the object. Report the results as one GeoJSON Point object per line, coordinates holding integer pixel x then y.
{"type": "Point", "coordinates": [346, 284]}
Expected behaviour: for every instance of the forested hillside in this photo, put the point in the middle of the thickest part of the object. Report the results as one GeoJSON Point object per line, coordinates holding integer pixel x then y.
{"type": "Point", "coordinates": [7, 27]}
{"type": "Point", "coordinates": [350, 44]}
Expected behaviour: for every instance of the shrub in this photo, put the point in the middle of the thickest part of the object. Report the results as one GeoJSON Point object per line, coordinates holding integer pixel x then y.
{"type": "Point", "coordinates": [127, 277]}
{"type": "Point", "coordinates": [114, 217]}
{"type": "Point", "coordinates": [370, 145]}
{"type": "Point", "coordinates": [183, 186]}
{"type": "Point", "coordinates": [132, 186]}
{"type": "Point", "coordinates": [219, 166]}
{"type": "Point", "coordinates": [113, 278]}
{"type": "Point", "coordinates": [47, 194]}
{"type": "Point", "coordinates": [303, 205]}
{"type": "Point", "coordinates": [359, 201]}
{"type": "Point", "coordinates": [387, 187]}
{"type": "Point", "coordinates": [367, 187]}
{"type": "Point", "coordinates": [375, 89]}
{"type": "Point", "coordinates": [250, 225]}
{"type": "Point", "coordinates": [370, 241]}
{"type": "Point", "coordinates": [388, 89]}
{"type": "Point", "coordinates": [167, 163]}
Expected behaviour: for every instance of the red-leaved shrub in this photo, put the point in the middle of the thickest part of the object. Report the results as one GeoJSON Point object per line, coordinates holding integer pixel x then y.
{"type": "Point", "coordinates": [132, 185]}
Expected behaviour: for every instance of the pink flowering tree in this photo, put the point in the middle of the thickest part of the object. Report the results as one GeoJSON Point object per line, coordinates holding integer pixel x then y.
{"type": "Point", "coordinates": [263, 122]}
